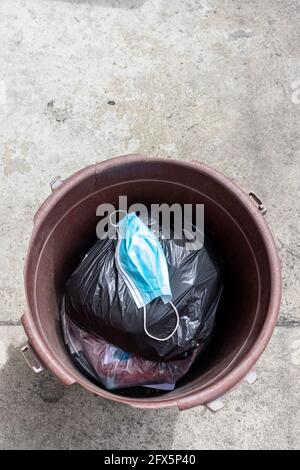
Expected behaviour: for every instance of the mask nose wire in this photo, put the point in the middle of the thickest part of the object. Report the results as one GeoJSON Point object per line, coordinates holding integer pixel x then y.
{"type": "Point", "coordinates": [170, 335]}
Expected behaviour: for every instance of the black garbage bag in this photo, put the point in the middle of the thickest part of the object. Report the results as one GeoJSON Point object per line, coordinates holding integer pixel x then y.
{"type": "Point", "coordinates": [98, 301]}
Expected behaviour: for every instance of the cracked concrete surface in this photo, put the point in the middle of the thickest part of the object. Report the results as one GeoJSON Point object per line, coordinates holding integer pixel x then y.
{"type": "Point", "coordinates": [210, 80]}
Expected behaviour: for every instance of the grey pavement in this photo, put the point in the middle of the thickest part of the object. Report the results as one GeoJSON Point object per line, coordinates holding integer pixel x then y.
{"type": "Point", "coordinates": [211, 80]}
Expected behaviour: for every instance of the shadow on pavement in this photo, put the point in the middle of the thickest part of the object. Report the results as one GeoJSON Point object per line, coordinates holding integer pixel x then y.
{"type": "Point", "coordinates": [37, 412]}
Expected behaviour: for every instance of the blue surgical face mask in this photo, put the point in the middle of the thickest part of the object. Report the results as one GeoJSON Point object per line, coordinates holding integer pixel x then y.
{"type": "Point", "coordinates": [142, 263]}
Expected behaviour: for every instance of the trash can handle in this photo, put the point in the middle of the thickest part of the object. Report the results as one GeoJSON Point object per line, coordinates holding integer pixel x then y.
{"type": "Point", "coordinates": [36, 368]}
{"type": "Point", "coordinates": [42, 352]}
{"type": "Point", "coordinates": [218, 403]}
{"type": "Point", "coordinates": [261, 207]}
{"type": "Point", "coordinates": [54, 185]}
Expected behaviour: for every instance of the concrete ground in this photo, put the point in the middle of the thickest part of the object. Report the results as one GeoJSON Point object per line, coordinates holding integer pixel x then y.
{"type": "Point", "coordinates": [216, 81]}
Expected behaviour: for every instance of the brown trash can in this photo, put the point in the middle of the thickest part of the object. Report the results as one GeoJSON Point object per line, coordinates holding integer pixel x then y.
{"type": "Point", "coordinates": [65, 225]}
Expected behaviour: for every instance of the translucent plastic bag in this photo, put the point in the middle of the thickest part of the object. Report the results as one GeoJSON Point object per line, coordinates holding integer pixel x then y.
{"type": "Point", "coordinates": [114, 368]}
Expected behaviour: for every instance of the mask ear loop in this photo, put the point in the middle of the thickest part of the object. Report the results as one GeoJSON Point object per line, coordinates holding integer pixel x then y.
{"type": "Point", "coordinates": [155, 337]}
{"type": "Point", "coordinates": [115, 212]}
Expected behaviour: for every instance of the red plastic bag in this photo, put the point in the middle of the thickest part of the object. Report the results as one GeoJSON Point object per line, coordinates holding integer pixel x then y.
{"type": "Point", "coordinates": [114, 368]}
